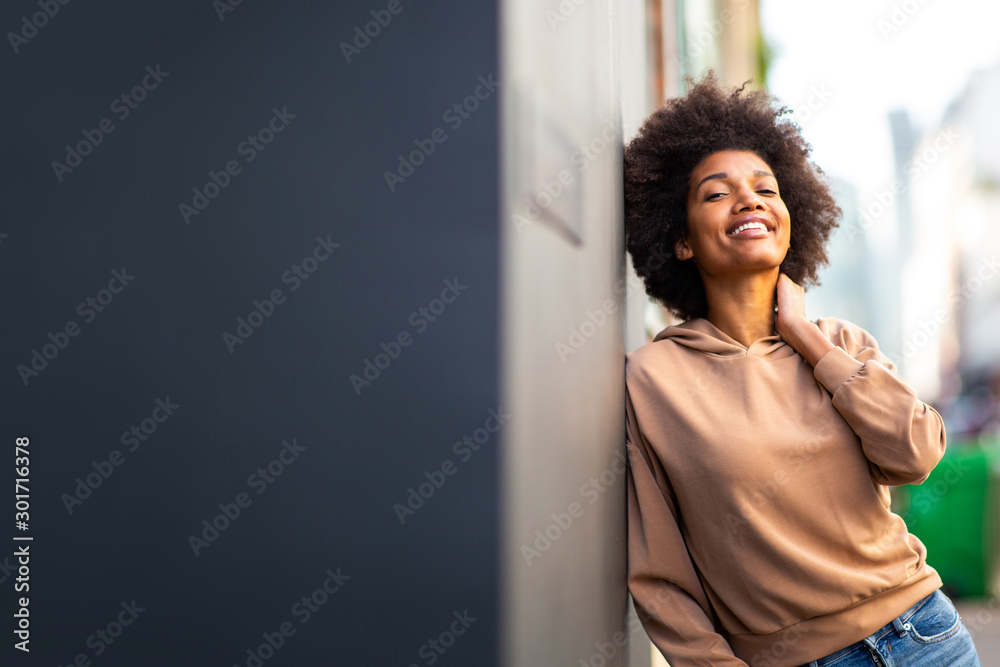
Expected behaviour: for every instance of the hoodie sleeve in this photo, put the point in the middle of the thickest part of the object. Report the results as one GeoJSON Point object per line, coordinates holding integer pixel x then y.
{"type": "Point", "coordinates": [901, 435]}
{"type": "Point", "coordinates": [669, 598]}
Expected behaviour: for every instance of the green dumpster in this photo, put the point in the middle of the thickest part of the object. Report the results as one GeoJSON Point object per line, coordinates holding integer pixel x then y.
{"type": "Point", "coordinates": [954, 513]}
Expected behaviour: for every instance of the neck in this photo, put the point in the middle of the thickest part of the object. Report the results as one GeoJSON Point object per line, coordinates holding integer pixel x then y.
{"type": "Point", "coordinates": [742, 305]}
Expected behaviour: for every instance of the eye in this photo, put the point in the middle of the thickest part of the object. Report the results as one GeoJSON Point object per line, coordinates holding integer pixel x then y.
{"type": "Point", "coordinates": [767, 191]}
{"type": "Point", "coordinates": [715, 195]}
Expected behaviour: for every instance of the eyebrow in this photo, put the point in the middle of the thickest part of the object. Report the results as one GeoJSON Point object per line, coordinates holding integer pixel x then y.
{"type": "Point", "coordinates": [760, 173]}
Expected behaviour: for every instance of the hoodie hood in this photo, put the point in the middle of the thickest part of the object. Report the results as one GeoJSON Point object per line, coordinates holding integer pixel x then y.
{"type": "Point", "coordinates": [700, 334]}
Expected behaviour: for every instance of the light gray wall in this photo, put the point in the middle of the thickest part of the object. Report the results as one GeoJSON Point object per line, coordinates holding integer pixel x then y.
{"type": "Point", "coordinates": [563, 475]}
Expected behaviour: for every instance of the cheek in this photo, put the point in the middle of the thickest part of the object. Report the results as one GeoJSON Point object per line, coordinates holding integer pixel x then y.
{"type": "Point", "coordinates": [786, 219]}
{"type": "Point", "coordinates": [782, 209]}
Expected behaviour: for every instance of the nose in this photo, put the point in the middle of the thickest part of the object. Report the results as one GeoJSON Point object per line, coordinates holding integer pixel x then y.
{"type": "Point", "coordinates": [748, 200]}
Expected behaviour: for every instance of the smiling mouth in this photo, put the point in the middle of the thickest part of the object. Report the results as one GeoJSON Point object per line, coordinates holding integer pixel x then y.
{"type": "Point", "coordinates": [752, 228]}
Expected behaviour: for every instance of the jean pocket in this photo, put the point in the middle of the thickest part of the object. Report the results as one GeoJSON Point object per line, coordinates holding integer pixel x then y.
{"type": "Point", "coordinates": [935, 620]}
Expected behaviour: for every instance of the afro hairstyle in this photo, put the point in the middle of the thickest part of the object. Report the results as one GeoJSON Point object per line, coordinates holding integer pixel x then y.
{"type": "Point", "coordinates": [658, 166]}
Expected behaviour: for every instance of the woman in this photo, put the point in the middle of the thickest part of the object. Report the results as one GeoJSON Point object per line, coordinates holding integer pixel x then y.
{"type": "Point", "coordinates": [762, 444]}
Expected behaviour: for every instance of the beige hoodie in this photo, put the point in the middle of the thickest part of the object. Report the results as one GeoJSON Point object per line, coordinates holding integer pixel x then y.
{"type": "Point", "coordinates": [759, 524]}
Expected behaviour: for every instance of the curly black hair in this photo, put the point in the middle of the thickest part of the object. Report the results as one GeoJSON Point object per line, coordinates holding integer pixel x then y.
{"type": "Point", "coordinates": [658, 166]}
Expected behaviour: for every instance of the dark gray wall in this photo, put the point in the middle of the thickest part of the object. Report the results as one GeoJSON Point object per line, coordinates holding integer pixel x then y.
{"type": "Point", "coordinates": [161, 336]}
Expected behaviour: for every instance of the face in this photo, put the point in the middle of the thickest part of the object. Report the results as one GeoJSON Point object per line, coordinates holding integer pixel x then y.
{"type": "Point", "coordinates": [737, 221]}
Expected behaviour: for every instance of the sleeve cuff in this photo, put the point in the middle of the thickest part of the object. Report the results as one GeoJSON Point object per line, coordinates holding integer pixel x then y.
{"type": "Point", "coordinates": [835, 368]}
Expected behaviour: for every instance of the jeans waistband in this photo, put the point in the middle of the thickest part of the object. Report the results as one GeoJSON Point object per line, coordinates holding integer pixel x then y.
{"type": "Point", "coordinates": [895, 625]}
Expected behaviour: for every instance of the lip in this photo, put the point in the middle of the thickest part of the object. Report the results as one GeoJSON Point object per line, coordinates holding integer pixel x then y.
{"type": "Point", "coordinates": [750, 233]}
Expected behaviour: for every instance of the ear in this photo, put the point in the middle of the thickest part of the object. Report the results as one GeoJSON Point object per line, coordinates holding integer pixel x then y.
{"type": "Point", "coordinates": [682, 250]}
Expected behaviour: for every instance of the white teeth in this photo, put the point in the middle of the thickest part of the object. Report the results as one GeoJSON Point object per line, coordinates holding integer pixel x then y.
{"type": "Point", "coordinates": [748, 225]}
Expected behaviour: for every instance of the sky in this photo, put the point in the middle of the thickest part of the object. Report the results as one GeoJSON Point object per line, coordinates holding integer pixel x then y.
{"type": "Point", "coordinates": [844, 66]}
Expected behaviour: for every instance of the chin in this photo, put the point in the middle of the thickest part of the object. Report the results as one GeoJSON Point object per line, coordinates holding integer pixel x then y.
{"type": "Point", "coordinates": [760, 263]}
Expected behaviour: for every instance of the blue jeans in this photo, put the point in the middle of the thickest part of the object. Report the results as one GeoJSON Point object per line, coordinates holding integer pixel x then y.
{"type": "Point", "coordinates": [930, 633]}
